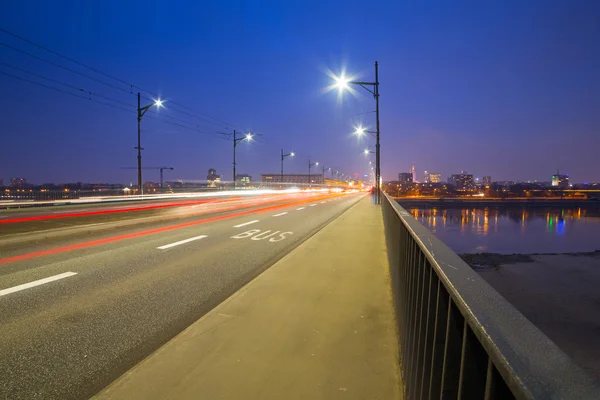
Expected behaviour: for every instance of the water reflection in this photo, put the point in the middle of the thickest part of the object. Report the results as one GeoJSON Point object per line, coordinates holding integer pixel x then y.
{"type": "Point", "coordinates": [514, 230]}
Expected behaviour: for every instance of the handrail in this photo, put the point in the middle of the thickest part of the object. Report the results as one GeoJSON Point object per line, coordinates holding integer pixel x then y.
{"type": "Point", "coordinates": [459, 338]}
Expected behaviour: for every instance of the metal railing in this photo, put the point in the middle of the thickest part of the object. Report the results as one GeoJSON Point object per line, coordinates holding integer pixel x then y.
{"type": "Point", "coordinates": [458, 337]}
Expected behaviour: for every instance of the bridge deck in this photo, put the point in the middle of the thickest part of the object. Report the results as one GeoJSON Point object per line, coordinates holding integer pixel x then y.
{"type": "Point", "coordinates": [318, 324]}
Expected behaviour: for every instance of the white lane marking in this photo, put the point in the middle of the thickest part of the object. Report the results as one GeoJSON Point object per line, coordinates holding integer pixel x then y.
{"type": "Point", "coordinates": [36, 283]}
{"type": "Point", "coordinates": [246, 223]}
{"type": "Point", "coordinates": [301, 208]}
{"type": "Point", "coordinates": [166, 246]}
{"type": "Point", "coordinates": [312, 205]}
{"type": "Point", "coordinates": [280, 214]}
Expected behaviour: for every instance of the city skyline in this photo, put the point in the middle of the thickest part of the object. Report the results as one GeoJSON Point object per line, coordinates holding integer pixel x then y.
{"type": "Point", "coordinates": [458, 91]}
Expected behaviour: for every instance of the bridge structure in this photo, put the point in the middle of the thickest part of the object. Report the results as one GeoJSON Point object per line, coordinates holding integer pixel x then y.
{"type": "Point", "coordinates": [301, 295]}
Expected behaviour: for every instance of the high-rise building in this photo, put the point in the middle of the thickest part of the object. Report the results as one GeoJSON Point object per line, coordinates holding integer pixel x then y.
{"type": "Point", "coordinates": [435, 177]}
{"type": "Point", "coordinates": [461, 181]}
{"type": "Point", "coordinates": [413, 173]}
{"type": "Point", "coordinates": [561, 181]}
{"type": "Point", "coordinates": [18, 182]}
{"type": "Point", "coordinates": [212, 177]}
{"type": "Point", "coordinates": [487, 180]}
{"type": "Point", "coordinates": [426, 177]}
{"type": "Point", "coordinates": [405, 177]}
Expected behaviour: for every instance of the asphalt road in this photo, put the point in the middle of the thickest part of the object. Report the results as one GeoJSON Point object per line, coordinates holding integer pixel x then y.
{"type": "Point", "coordinates": [95, 304]}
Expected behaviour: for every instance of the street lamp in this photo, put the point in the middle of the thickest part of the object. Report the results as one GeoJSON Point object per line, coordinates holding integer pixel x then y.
{"type": "Point", "coordinates": [342, 83]}
{"type": "Point", "coordinates": [248, 137]}
{"type": "Point", "coordinates": [283, 156]}
{"type": "Point", "coordinates": [140, 113]}
{"type": "Point", "coordinates": [366, 152]}
{"type": "Point", "coordinates": [310, 165]}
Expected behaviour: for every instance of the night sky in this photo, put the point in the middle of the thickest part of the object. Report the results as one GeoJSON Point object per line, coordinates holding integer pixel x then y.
{"type": "Point", "coordinates": [504, 88]}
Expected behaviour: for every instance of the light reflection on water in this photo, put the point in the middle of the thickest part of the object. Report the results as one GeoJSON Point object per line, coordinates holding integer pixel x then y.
{"type": "Point", "coordinates": [513, 230]}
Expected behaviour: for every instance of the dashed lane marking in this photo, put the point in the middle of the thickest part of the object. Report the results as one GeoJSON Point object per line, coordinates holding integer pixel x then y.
{"type": "Point", "coordinates": [166, 246]}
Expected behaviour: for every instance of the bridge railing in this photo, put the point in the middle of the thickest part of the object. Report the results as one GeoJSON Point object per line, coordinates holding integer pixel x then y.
{"type": "Point", "coordinates": [458, 337]}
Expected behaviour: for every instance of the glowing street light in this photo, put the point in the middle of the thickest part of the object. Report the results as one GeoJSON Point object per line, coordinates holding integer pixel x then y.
{"type": "Point", "coordinates": [342, 83]}
{"type": "Point", "coordinates": [248, 137]}
{"type": "Point", "coordinates": [140, 113]}
{"type": "Point", "coordinates": [283, 156]}
{"type": "Point", "coordinates": [310, 165]}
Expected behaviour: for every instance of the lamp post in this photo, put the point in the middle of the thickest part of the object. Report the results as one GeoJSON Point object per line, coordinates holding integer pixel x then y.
{"type": "Point", "coordinates": [236, 140]}
{"type": "Point", "coordinates": [283, 156]}
{"type": "Point", "coordinates": [342, 83]}
{"type": "Point", "coordinates": [310, 165]}
{"type": "Point", "coordinates": [140, 113]}
{"type": "Point", "coordinates": [161, 174]}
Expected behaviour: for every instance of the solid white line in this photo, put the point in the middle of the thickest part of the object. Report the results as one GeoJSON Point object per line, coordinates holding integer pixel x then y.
{"type": "Point", "coordinates": [246, 223]}
{"type": "Point", "coordinates": [301, 208]}
{"type": "Point", "coordinates": [312, 205]}
{"type": "Point", "coordinates": [166, 246]}
{"type": "Point", "coordinates": [280, 214]}
{"type": "Point", "coordinates": [36, 283]}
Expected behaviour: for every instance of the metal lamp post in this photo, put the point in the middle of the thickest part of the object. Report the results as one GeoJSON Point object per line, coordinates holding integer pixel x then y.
{"type": "Point", "coordinates": [343, 83]}
{"type": "Point", "coordinates": [310, 165]}
{"type": "Point", "coordinates": [236, 140]}
{"type": "Point", "coordinates": [283, 156]}
{"type": "Point", "coordinates": [140, 113]}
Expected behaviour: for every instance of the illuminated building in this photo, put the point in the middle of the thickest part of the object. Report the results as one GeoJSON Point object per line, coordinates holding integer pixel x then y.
{"type": "Point", "coordinates": [405, 177]}
{"type": "Point", "coordinates": [18, 183]}
{"type": "Point", "coordinates": [414, 175]}
{"type": "Point", "coordinates": [561, 181]}
{"type": "Point", "coordinates": [243, 178]}
{"type": "Point", "coordinates": [212, 178]}
{"type": "Point", "coordinates": [426, 177]}
{"type": "Point", "coordinates": [435, 177]}
{"type": "Point", "coordinates": [487, 180]}
{"type": "Point", "coordinates": [461, 180]}
{"type": "Point", "coordinates": [291, 178]}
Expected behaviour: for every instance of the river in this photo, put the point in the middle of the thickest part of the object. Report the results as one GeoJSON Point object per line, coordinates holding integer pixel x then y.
{"type": "Point", "coordinates": [513, 230]}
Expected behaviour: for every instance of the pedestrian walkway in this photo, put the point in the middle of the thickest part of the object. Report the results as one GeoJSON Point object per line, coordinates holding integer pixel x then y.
{"type": "Point", "coordinates": [318, 324]}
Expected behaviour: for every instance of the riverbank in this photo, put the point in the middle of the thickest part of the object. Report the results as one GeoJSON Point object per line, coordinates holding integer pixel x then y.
{"type": "Point", "coordinates": [559, 293]}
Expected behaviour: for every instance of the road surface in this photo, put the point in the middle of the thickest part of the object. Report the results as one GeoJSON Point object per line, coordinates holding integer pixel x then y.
{"type": "Point", "coordinates": [80, 305]}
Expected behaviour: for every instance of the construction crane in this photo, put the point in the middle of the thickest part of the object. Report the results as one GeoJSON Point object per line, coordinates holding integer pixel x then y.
{"type": "Point", "coordinates": [161, 169]}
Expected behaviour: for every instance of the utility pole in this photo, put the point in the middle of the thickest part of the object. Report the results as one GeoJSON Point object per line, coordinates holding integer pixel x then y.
{"type": "Point", "coordinates": [161, 175]}
{"type": "Point", "coordinates": [234, 146]}
{"type": "Point", "coordinates": [283, 156]}
{"type": "Point", "coordinates": [378, 174]}
{"type": "Point", "coordinates": [140, 113]}
{"type": "Point", "coordinates": [139, 146]}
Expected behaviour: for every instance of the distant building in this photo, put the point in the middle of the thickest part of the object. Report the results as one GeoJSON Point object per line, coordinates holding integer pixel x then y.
{"type": "Point", "coordinates": [291, 178]}
{"type": "Point", "coordinates": [435, 177]}
{"type": "Point", "coordinates": [405, 177]}
{"type": "Point", "coordinates": [19, 183]}
{"type": "Point", "coordinates": [561, 181]}
{"type": "Point", "coordinates": [426, 177]}
{"type": "Point", "coordinates": [1, 182]}
{"type": "Point", "coordinates": [414, 175]}
{"type": "Point", "coordinates": [243, 178]}
{"type": "Point", "coordinates": [212, 178]}
{"type": "Point", "coordinates": [487, 180]}
{"type": "Point", "coordinates": [461, 181]}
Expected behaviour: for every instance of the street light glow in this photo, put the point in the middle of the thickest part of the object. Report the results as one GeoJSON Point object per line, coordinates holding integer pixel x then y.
{"type": "Point", "coordinates": [341, 82]}
{"type": "Point", "coordinates": [360, 131]}
{"type": "Point", "coordinates": [248, 136]}
{"type": "Point", "coordinates": [158, 103]}
{"type": "Point", "coordinates": [366, 151]}
{"type": "Point", "coordinates": [292, 154]}
{"type": "Point", "coordinates": [317, 163]}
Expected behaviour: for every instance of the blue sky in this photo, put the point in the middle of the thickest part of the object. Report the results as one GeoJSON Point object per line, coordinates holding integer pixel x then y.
{"type": "Point", "coordinates": [504, 88]}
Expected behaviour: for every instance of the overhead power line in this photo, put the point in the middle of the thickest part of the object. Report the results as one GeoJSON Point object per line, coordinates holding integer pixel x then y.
{"type": "Point", "coordinates": [131, 86]}
{"type": "Point", "coordinates": [64, 91]}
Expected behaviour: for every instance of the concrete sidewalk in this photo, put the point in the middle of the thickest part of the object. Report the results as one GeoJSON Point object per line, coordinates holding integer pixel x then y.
{"type": "Point", "coordinates": [319, 324]}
